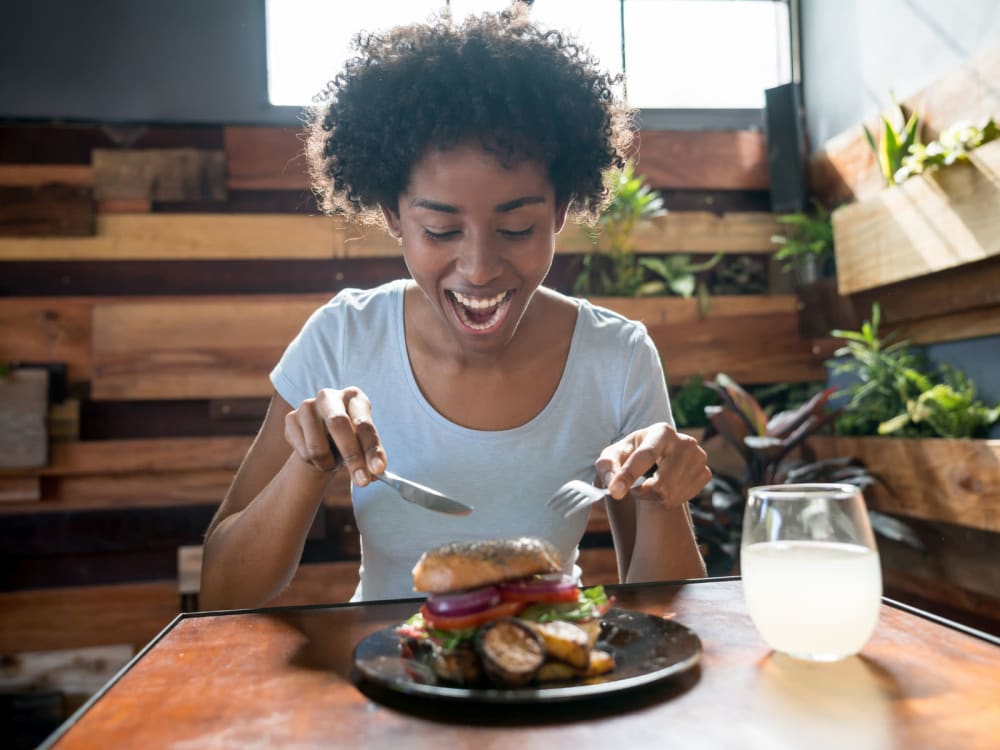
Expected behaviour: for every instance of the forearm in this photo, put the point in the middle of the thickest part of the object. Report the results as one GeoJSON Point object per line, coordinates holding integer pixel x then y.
{"type": "Point", "coordinates": [251, 555]}
{"type": "Point", "coordinates": [665, 548]}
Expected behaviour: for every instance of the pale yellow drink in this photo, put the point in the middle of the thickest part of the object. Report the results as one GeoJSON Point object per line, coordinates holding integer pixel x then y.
{"type": "Point", "coordinates": [813, 599]}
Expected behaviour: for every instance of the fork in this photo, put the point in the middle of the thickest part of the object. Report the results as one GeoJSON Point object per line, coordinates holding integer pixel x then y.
{"type": "Point", "coordinates": [576, 495]}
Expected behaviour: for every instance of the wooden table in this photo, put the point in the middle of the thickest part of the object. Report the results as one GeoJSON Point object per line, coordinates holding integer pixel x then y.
{"type": "Point", "coordinates": [282, 678]}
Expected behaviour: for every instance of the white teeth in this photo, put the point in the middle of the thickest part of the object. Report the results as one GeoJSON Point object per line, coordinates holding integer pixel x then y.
{"type": "Point", "coordinates": [500, 303]}
{"type": "Point", "coordinates": [479, 303]}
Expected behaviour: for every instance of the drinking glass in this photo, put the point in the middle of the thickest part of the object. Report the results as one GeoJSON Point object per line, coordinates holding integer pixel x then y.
{"type": "Point", "coordinates": [811, 575]}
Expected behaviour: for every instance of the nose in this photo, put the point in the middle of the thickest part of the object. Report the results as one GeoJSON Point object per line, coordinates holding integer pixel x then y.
{"type": "Point", "coordinates": [479, 261]}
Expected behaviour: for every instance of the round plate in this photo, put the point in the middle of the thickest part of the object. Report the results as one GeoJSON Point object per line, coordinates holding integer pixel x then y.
{"type": "Point", "coordinates": [646, 649]}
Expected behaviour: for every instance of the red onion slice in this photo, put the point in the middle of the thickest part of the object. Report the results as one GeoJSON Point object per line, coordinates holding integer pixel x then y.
{"type": "Point", "coordinates": [464, 602]}
{"type": "Point", "coordinates": [545, 584]}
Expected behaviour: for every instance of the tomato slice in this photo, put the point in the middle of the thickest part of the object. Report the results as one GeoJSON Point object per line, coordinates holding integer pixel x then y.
{"type": "Point", "coordinates": [458, 622]}
{"type": "Point", "coordinates": [531, 597]}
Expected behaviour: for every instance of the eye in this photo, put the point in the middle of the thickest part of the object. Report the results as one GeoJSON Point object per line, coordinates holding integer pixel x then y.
{"type": "Point", "coordinates": [517, 234]}
{"type": "Point", "coordinates": [440, 236]}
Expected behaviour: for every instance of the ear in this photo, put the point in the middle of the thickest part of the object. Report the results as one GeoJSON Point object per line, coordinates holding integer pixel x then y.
{"type": "Point", "coordinates": [392, 222]}
{"type": "Point", "coordinates": [561, 211]}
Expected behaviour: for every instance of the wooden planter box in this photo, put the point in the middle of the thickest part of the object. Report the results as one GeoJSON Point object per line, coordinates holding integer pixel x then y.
{"type": "Point", "coordinates": [930, 223]}
{"type": "Point", "coordinates": [751, 338]}
{"type": "Point", "coordinates": [936, 479]}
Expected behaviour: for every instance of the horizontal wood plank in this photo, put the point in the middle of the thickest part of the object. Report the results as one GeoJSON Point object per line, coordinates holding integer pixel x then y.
{"type": "Point", "coordinates": [969, 324]}
{"type": "Point", "coordinates": [176, 174]}
{"type": "Point", "coordinates": [725, 160]}
{"type": "Point", "coordinates": [36, 175]}
{"type": "Point", "coordinates": [751, 349]}
{"type": "Point", "coordinates": [20, 490]}
{"type": "Point", "coordinates": [188, 236]}
{"type": "Point", "coordinates": [151, 455]}
{"type": "Point", "coordinates": [47, 211]}
{"type": "Point", "coordinates": [47, 329]}
{"type": "Point", "coordinates": [265, 158]}
{"type": "Point", "coordinates": [844, 169]}
{"type": "Point", "coordinates": [64, 143]}
{"type": "Point", "coordinates": [78, 617]}
{"type": "Point", "coordinates": [170, 350]}
{"type": "Point", "coordinates": [664, 310]}
{"type": "Point", "coordinates": [193, 236]}
{"type": "Point", "coordinates": [954, 481]}
{"type": "Point", "coordinates": [927, 224]}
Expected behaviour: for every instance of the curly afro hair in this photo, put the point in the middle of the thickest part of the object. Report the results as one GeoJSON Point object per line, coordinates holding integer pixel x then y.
{"type": "Point", "coordinates": [523, 92]}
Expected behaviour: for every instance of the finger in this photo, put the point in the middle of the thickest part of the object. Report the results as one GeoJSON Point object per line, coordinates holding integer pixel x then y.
{"type": "Point", "coordinates": [610, 461]}
{"type": "Point", "coordinates": [337, 423]}
{"type": "Point", "coordinates": [316, 441]}
{"type": "Point", "coordinates": [640, 459]}
{"type": "Point", "coordinates": [360, 410]}
{"type": "Point", "coordinates": [688, 471]}
{"type": "Point", "coordinates": [302, 426]}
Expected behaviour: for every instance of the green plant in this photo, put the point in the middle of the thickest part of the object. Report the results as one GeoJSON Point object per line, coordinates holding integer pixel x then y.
{"type": "Point", "coordinates": [617, 272]}
{"type": "Point", "coordinates": [765, 442]}
{"type": "Point", "coordinates": [898, 135]}
{"type": "Point", "coordinates": [953, 145]}
{"type": "Point", "coordinates": [762, 440]}
{"type": "Point", "coordinates": [688, 403]}
{"type": "Point", "coordinates": [676, 274]}
{"type": "Point", "coordinates": [897, 392]}
{"type": "Point", "coordinates": [808, 239]}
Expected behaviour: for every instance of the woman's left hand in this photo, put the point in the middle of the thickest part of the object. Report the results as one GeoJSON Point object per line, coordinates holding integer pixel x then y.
{"type": "Point", "coordinates": [682, 469]}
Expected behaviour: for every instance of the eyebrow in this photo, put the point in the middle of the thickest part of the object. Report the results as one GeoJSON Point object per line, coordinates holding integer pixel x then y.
{"type": "Point", "coordinates": [501, 208]}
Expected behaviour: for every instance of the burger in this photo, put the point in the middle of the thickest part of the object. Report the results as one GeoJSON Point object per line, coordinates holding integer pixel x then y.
{"type": "Point", "coordinates": [501, 612]}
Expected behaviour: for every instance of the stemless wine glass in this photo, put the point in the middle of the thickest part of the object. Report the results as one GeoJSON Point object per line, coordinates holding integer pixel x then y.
{"type": "Point", "coordinates": [811, 574]}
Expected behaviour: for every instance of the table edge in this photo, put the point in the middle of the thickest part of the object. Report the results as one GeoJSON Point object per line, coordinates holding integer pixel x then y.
{"type": "Point", "coordinates": [61, 730]}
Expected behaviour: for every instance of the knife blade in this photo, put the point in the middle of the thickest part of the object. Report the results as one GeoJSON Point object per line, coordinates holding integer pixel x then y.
{"type": "Point", "coordinates": [423, 496]}
{"type": "Point", "coordinates": [412, 492]}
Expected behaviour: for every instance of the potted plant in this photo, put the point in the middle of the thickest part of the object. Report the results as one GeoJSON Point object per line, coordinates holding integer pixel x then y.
{"type": "Point", "coordinates": [617, 271]}
{"type": "Point", "coordinates": [806, 247]}
{"type": "Point", "coordinates": [668, 295]}
{"type": "Point", "coordinates": [918, 426]}
{"type": "Point", "coordinates": [938, 209]}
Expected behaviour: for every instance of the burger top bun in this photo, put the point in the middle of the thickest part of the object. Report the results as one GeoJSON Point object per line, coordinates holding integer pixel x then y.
{"type": "Point", "coordinates": [466, 565]}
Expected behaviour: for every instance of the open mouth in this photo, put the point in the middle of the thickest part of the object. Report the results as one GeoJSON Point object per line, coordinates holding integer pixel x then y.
{"type": "Point", "coordinates": [480, 313]}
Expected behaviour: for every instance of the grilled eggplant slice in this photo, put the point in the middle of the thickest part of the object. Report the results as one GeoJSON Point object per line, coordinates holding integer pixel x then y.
{"type": "Point", "coordinates": [511, 652]}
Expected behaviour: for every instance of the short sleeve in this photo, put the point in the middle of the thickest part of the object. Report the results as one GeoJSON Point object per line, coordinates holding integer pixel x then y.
{"type": "Point", "coordinates": [310, 362]}
{"type": "Point", "coordinates": [645, 400]}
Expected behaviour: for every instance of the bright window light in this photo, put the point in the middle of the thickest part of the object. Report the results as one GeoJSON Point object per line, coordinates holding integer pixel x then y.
{"type": "Point", "coordinates": [692, 54]}
{"type": "Point", "coordinates": [309, 40]}
{"type": "Point", "coordinates": [679, 54]}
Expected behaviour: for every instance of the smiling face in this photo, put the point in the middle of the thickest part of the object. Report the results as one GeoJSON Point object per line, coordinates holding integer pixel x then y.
{"type": "Point", "coordinates": [478, 239]}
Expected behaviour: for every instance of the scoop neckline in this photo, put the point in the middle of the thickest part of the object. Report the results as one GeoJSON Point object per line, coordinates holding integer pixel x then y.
{"type": "Point", "coordinates": [558, 395]}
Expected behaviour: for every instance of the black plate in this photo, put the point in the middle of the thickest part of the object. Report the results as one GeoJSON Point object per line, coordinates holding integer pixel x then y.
{"type": "Point", "coordinates": [646, 649]}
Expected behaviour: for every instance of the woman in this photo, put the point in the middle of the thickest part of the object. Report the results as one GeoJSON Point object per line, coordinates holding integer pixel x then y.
{"type": "Point", "coordinates": [471, 144]}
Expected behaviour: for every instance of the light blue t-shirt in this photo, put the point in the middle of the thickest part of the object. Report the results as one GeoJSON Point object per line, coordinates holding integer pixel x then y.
{"type": "Point", "coordinates": [612, 385]}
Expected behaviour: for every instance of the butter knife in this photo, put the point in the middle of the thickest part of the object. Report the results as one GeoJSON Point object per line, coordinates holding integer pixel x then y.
{"type": "Point", "coordinates": [414, 493]}
{"type": "Point", "coordinates": [423, 496]}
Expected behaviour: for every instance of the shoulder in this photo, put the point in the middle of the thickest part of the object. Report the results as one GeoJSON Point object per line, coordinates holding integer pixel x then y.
{"type": "Point", "coordinates": [607, 325]}
{"type": "Point", "coordinates": [358, 300]}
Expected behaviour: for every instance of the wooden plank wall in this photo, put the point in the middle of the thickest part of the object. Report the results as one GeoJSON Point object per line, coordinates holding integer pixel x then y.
{"type": "Point", "coordinates": [165, 279]}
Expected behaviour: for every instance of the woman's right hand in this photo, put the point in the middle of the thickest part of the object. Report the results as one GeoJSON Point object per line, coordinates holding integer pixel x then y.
{"type": "Point", "coordinates": [345, 417]}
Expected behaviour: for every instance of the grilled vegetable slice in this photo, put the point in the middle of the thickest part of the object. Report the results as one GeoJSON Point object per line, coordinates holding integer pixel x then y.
{"type": "Point", "coordinates": [564, 641]}
{"type": "Point", "coordinates": [511, 652]}
{"type": "Point", "coordinates": [601, 662]}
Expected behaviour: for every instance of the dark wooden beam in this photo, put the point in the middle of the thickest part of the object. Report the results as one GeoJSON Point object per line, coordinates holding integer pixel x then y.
{"type": "Point", "coordinates": [47, 211]}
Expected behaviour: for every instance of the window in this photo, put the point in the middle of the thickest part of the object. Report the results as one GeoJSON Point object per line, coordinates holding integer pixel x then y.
{"type": "Point", "coordinates": [684, 60]}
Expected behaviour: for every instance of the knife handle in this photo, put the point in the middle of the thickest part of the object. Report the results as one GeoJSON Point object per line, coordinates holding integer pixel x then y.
{"type": "Point", "coordinates": [337, 458]}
